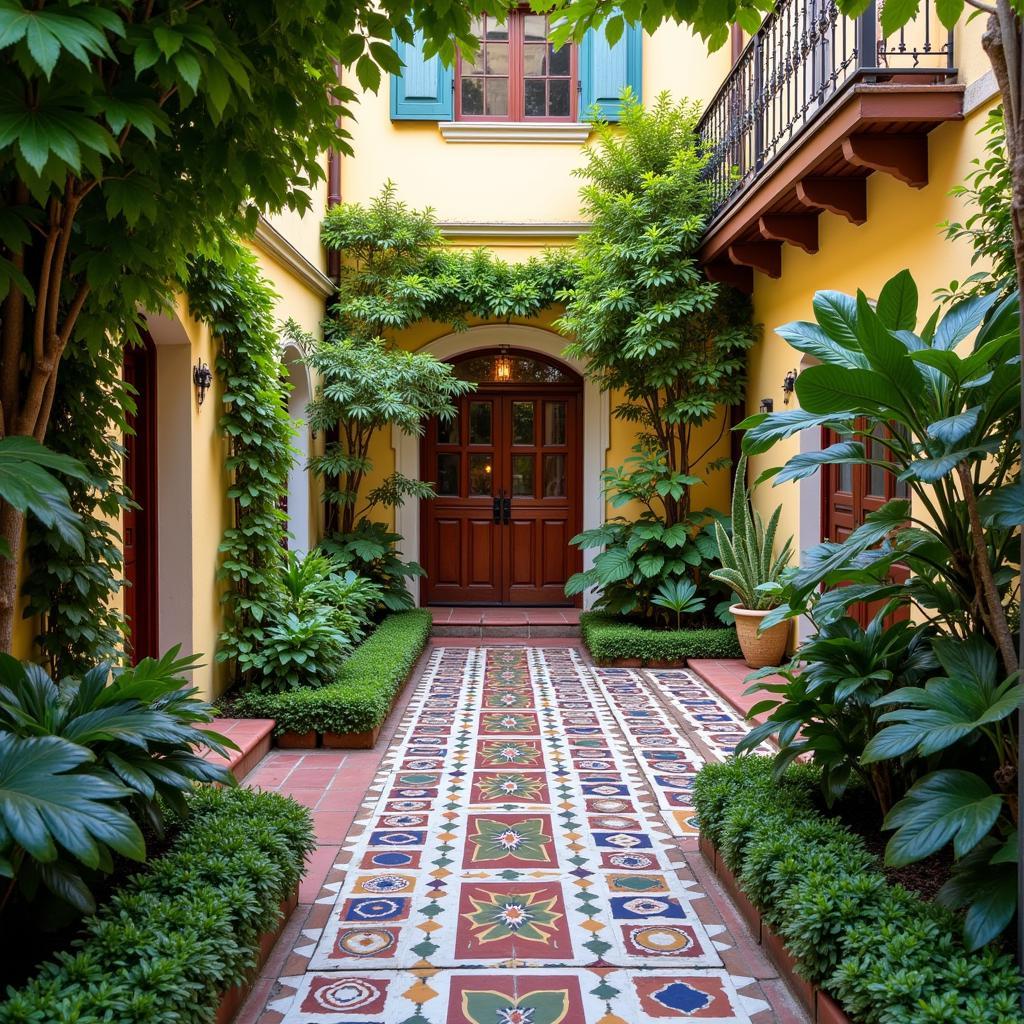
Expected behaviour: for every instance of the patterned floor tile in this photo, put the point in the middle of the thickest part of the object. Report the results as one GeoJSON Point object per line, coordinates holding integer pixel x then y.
{"type": "Point", "coordinates": [519, 861]}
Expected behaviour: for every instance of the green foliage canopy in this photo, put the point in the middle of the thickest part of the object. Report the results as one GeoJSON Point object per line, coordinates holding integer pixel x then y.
{"type": "Point", "coordinates": [641, 314]}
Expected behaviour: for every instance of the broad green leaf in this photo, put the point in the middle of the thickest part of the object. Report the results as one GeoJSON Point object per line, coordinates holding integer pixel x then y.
{"type": "Point", "coordinates": [764, 429]}
{"type": "Point", "coordinates": [835, 390]}
{"type": "Point", "coordinates": [945, 805]}
{"type": "Point", "coordinates": [42, 806]}
{"type": "Point", "coordinates": [896, 14]}
{"type": "Point", "coordinates": [836, 313]}
{"type": "Point", "coordinates": [949, 11]}
{"type": "Point", "coordinates": [953, 429]}
{"type": "Point", "coordinates": [1004, 507]}
{"type": "Point", "coordinates": [897, 302]}
{"type": "Point", "coordinates": [813, 340]}
{"type": "Point", "coordinates": [808, 463]}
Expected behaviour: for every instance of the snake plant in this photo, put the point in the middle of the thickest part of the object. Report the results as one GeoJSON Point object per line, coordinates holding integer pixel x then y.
{"type": "Point", "coordinates": [747, 561]}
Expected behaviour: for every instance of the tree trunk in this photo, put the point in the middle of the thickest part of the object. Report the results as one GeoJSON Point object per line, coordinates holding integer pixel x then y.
{"type": "Point", "coordinates": [12, 524]}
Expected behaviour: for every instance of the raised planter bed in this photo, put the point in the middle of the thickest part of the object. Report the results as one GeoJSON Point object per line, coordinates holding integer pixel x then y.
{"type": "Point", "coordinates": [349, 712]}
{"type": "Point", "coordinates": [820, 1007]}
{"type": "Point", "coordinates": [619, 643]}
{"type": "Point", "coordinates": [232, 1000]}
{"type": "Point", "coordinates": [289, 740]}
{"type": "Point", "coordinates": [351, 740]}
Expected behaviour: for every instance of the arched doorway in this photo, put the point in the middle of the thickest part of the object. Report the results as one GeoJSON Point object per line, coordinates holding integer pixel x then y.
{"type": "Point", "coordinates": [508, 476]}
{"type": "Point", "coordinates": [298, 506]}
{"type": "Point", "coordinates": [141, 540]}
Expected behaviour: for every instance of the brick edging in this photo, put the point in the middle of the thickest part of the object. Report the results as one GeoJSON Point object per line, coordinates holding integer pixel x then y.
{"type": "Point", "coordinates": [820, 1006]}
{"type": "Point", "coordinates": [234, 998]}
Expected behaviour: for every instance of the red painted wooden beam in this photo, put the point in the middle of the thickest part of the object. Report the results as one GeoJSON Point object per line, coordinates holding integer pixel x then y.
{"type": "Point", "coordinates": [725, 272]}
{"type": "Point", "coordinates": [763, 256]}
{"type": "Point", "coordinates": [846, 196]}
{"type": "Point", "coordinates": [905, 157]}
{"type": "Point", "coordinates": [799, 229]}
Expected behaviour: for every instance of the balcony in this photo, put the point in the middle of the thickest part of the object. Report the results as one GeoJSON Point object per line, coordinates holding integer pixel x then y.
{"type": "Point", "coordinates": [816, 102]}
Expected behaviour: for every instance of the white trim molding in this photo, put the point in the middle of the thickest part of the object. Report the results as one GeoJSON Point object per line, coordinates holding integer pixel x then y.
{"type": "Point", "coordinates": [560, 132]}
{"type": "Point", "coordinates": [270, 241]}
{"type": "Point", "coordinates": [596, 427]}
{"type": "Point", "coordinates": [508, 229]}
{"type": "Point", "coordinates": [980, 91]}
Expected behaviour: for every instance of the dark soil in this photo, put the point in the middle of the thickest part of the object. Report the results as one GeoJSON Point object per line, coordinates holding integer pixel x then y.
{"type": "Point", "coordinates": [861, 815]}
{"type": "Point", "coordinates": [31, 932]}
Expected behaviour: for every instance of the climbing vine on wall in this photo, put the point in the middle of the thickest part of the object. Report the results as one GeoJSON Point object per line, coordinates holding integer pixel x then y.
{"type": "Point", "coordinates": [396, 271]}
{"type": "Point", "coordinates": [230, 295]}
{"type": "Point", "coordinates": [73, 591]}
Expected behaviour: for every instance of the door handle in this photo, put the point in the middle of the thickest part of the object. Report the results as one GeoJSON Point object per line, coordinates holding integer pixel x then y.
{"type": "Point", "coordinates": [506, 507]}
{"type": "Point", "coordinates": [496, 510]}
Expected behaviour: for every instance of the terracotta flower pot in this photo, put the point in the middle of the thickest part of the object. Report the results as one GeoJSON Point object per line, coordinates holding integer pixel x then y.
{"type": "Point", "coordinates": [760, 649]}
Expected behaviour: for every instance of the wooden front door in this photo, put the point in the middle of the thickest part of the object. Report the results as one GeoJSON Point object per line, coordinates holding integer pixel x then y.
{"type": "Point", "coordinates": [849, 495]}
{"type": "Point", "coordinates": [140, 524]}
{"type": "Point", "coordinates": [507, 471]}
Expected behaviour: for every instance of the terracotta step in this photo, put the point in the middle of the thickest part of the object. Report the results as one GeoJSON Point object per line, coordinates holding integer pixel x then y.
{"type": "Point", "coordinates": [505, 623]}
{"type": "Point", "coordinates": [524, 631]}
{"type": "Point", "coordinates": [253, 737]}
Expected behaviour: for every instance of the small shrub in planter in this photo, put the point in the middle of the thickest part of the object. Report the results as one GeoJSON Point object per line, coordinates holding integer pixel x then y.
{"type": "Point", "coordinates": [754, 572]}
{"type": "Point", "coordinates": [361, 696]}
{"type": "Point", "coordinates": [611, 639]}
{"type": "Point", "coordinates": [884, 954]}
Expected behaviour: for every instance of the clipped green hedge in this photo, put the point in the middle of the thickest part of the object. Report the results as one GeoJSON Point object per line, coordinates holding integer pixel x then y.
{"type": "Point", "coordinates": [610, 639]}
{"type": "Point", "coordinates": [366, 687]}
{"type": "Point", "coordinates": [887, 956]}
{"type": "Point", "coordinates": [177, 935]}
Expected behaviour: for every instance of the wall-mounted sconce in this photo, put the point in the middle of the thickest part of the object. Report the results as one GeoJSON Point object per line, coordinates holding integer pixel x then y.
{"type": "Point", "coordinates": [788, 386]}
{"type": "Point", "coordinates": [767, 405]}
{"type": "Point", "coordinates": [202, 378]}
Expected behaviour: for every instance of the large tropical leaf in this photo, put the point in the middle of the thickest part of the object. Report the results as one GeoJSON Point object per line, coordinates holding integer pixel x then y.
{"type": "Point", "coordinates": [46, 805]}
{"type": "Point", "coordinates": [763, 429]}
{"type": "Point", "coordinates": [897, 302]}
{"type": "Point", "coordinates": [942, 806]}
{"type": "Point", "coordinates": [836, 390]}
{"type": "Point", "coordinates": [808, 463]}
{"type": "Point", "coordinates": [984, 881]}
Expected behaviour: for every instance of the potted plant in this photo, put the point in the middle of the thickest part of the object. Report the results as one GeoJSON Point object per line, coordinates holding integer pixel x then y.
{"type": "Point", "coordinates": [749, 568]}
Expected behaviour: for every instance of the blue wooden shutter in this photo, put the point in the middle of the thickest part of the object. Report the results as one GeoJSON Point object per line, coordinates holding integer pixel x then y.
{"type": "Point", "coordinates": [423, 91]}
{"type": "Point", "coordinates": [606, 70]}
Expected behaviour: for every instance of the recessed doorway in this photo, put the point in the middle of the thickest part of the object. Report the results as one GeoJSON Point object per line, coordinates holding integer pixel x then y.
{"type": "Point", "coordinates": [508, 475]}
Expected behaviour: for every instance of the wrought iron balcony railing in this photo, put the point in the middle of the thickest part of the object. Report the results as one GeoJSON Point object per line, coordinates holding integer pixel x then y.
{"type": "Point", "coordinates": [806, 54]}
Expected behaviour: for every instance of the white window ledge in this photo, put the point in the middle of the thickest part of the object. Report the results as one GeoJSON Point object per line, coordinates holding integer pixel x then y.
{"type": "Point", "coordinates": [565, 132]}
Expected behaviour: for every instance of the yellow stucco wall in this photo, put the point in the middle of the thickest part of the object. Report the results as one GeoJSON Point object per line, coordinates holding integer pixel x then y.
{"type": "Point", "coordinates": [497, 183]}
{"type": "Point", "coordinates": [902, 231]}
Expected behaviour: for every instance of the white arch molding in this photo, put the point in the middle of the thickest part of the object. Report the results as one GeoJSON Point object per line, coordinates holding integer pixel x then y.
{"type": "Point", "coordinates": [299, 481]}
{"type": "Point", "coordinates": [596, 413]}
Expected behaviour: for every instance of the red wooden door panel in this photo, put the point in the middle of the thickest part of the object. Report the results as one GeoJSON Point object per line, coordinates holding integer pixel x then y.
{"type": "Point", "coordinates": [140, 524]}
{"type": "Point", "coordinates": [507, 472]}
{"type": "Point", "coordinates": [849, 495]}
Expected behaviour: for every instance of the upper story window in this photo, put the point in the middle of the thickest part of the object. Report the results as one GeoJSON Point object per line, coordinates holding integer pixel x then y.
{"type": "Point", "coordinates": [516, 75]}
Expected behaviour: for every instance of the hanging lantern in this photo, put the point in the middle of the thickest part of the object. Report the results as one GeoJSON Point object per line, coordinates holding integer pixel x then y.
{"type": "Point", "coordinates": [503, 368]}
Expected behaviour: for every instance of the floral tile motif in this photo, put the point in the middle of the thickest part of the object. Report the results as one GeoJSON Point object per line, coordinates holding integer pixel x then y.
{"type": "Point", "coordinates": [514, 868]}
{"type": "Point", "coordinates": [519, 996]}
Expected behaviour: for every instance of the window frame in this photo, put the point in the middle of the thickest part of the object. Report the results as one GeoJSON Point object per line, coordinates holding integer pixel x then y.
{"type": "Point", "coordinates": [517, 81]}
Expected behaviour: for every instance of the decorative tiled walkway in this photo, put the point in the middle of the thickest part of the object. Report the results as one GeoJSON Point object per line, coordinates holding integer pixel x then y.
{"type": "Point", "coordinates": [527, 855]}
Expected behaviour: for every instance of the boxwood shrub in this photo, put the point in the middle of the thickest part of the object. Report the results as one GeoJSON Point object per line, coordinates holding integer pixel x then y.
{"type": "Point", "coordinates": [887, 956]}
{"type": "Point", "coordinates": [366, 687]}
{"type": "Point", "coordinates": [610, 639]}
{"type": "Point", "coordinates": [178, 934]}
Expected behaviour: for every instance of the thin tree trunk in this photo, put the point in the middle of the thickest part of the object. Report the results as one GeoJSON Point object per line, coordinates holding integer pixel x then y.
{"type": "Point", "coordinates": [12, 524]}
